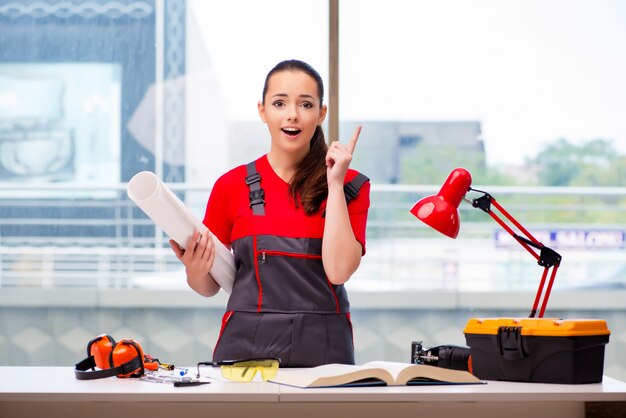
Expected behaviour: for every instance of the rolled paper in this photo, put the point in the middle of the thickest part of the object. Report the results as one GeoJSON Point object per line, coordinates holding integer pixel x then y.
{"type": "Point", "coordinates": [157, 201]}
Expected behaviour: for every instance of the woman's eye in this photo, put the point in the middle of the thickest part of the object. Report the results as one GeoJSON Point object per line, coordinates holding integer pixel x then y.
{"type": "Point", "coordinates": [307, 105]}
{"type": "Point", "coordinates": [278, 103]}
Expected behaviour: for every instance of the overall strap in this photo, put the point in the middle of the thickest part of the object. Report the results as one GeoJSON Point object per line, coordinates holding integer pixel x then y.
{"type": "Point", "coordinates": [351, 189]}
{"type": "Point", "coordinates": [257, 194]}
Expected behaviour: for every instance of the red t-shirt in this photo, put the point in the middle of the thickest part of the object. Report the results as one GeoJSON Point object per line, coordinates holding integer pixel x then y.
{"type": "Point", "coordinates": [229, 216]}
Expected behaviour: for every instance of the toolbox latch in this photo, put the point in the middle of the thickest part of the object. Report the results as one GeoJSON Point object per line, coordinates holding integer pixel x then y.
{"type": "Point", "coordinates": [510, 342]}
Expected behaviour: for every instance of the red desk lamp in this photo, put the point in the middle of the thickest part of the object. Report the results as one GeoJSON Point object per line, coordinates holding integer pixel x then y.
{"type": "Point", "coordinates": [441, 212]}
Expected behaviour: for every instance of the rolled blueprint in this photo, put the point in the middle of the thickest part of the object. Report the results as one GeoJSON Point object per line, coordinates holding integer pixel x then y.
{"type": "Point", "coordinates": [178, 221]}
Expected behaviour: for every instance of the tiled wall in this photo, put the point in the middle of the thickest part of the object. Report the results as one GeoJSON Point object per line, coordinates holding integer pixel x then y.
{"type": "Point", "coordinates": [185, 336]}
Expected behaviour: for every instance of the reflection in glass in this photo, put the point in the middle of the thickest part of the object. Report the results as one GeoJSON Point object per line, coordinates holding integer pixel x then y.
{"type": "Point", "coordinates": [60, 122]}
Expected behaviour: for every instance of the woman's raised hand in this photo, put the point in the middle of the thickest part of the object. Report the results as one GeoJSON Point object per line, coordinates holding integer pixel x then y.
{"type": "Point", "coordinates": [338, 159]}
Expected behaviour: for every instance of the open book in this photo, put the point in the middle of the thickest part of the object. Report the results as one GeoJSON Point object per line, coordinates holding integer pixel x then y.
{"type": "Point", "coordinates": [374, 373]}
{"type": "Point", "coordinates": [178, 222]}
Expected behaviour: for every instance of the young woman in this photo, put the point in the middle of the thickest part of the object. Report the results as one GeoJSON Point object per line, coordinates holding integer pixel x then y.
{"type": "Point", "coordinates": [295, 219]}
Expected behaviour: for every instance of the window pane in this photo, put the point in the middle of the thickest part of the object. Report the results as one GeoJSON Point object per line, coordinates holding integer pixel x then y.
{"type": "Point", "coordinates": [521, 93]}
{"type": "Point", "coordinates": [92, 93]}
{"type": "Point", "coordinates": [233, 55]}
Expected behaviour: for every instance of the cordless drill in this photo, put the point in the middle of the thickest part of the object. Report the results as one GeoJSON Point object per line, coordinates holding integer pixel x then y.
{"type": "Point", "coordinates": [446, 356]}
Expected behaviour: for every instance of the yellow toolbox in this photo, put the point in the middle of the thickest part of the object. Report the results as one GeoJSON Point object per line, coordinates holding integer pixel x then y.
{"type": "Point", "coordinates": [543, 350]}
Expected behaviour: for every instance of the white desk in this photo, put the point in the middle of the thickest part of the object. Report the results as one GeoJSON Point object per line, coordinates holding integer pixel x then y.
{"type": "Point", "coordinates": [54, 392]}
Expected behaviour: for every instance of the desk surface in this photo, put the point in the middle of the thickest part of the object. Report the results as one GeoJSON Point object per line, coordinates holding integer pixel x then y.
{"type": "Point", "coordinates": [33, 391]}
{"type": "Point", "coordinates": [59, 384]}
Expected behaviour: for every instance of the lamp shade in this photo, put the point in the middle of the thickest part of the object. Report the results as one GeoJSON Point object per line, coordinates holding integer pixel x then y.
{"type": "Point", "coordinates": [441, 211]}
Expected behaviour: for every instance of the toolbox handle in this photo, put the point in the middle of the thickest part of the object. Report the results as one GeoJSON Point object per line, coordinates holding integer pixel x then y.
{"type": "Point", "coordinates": [510, 342]}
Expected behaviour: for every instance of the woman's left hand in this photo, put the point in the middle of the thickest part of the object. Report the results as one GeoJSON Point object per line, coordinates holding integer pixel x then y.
{"type": "Point", "coordinates": [338, 159]}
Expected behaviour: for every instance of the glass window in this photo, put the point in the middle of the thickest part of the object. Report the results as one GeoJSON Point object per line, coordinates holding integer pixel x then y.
{"type": "Point", "coordinates": [227, 61]}
{"type": "Point", "coordinates": [93, 92]}
{"type": "Point", "coordinates": [61, 122]}
{"type": "Point", "coordinates": [521, 93]}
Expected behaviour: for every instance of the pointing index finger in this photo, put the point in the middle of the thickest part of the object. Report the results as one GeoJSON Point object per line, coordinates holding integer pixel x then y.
{"type": "Point", "coordinates": [355, 137]}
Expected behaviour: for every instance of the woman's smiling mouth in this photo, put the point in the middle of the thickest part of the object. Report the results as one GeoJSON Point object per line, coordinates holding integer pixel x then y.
{"type": "Point", "coordinates": [291, 131]}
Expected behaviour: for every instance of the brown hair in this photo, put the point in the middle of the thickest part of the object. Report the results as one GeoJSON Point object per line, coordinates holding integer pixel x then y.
{"type": "Point", "coordinates": [309, 185]}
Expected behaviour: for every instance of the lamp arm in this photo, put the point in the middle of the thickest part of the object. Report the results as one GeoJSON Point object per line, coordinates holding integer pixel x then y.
{"type": "Point", "coordinates": [546, 257]}
{"type": "Point", "coordinates": [484, 203]}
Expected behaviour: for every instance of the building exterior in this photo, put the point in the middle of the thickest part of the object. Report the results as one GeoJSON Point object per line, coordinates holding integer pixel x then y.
{"type": "Point", "coordinates": [386, 151]}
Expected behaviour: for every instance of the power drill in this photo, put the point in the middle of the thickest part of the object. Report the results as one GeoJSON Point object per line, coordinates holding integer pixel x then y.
{"type": "Point", "coordinates": [446, 356]}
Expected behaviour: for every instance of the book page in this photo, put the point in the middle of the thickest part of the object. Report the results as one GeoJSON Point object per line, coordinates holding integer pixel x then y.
{"type": "Point", "coordinates": [404, 372]}
{"type": "Point", "coordinates": [178, 221]}
{"type": "Point", "coordinates": [329, 375]}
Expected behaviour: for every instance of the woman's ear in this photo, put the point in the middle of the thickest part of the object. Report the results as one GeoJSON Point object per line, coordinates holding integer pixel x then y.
{"type": "Point", "coordinates": [322, 116]}
{"type": "Point", "coordinates": [261, 108]}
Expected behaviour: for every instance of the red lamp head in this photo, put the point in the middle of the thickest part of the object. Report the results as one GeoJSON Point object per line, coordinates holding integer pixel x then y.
{"type": "Point", "coordinates": [441, 211]}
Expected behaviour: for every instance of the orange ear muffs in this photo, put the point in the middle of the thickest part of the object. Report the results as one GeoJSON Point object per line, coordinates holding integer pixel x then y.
{"type": "Point", "coordinates": [128, 355]}
{"type": "Point", "coordinates": [126, 351]}
{"type": "Point", "coordinates": [123, 359]}
{"type": "Point", "coordinates": [101, 348]}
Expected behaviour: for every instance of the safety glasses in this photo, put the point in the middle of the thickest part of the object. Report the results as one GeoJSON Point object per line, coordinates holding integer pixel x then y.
{"type": "Point", "coordinates": [245, 370]}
